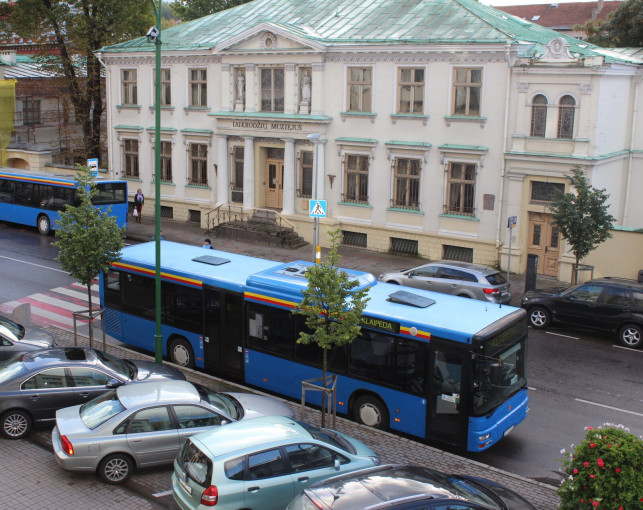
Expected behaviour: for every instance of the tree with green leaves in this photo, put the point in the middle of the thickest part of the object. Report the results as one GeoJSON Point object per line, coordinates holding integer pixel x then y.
{"type": "Point", "coordinates": [623, 28]}
{"type": "Point", "coordinates": [582, 216]}
{"type": "Point", "coordinates": [88, 238]}
{"type": "Point", "coordinates": [332, 305]}
{"type": "Point", "coordinates": [188, 10]}
{"type": "Point", "coordinates": [79, 28]}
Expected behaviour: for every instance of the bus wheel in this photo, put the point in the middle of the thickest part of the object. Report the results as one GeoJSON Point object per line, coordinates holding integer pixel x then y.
{"type": "Point", "coordinates": [371, 411]}
{"type": "Point", "coordinates": [44, 225]}
{"type": "Point", "coordinates": [181, 353]}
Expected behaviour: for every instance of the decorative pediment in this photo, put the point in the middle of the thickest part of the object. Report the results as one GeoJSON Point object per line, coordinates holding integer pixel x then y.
{"type": "Point", "coordinates": [270, 37]}
{"type": "Point", "coordinates": [558, 49]}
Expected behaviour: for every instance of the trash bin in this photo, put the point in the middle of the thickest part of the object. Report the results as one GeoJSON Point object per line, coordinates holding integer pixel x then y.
{"type": "Point", "coordinates": [532, 271]}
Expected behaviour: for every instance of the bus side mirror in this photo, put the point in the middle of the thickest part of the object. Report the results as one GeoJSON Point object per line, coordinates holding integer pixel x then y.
{"type": "Point", "coordinates": [495, 373]}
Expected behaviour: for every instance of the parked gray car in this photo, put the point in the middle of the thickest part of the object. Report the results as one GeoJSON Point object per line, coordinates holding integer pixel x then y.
{"type": "Point", "coordinates": [458, 278]}
{"type": "Point", "coordinates": [34, 385]}
{"type": "Point", "coordinates": [16, 338]}
{"type": "Point", "coordinates": [140, 425]}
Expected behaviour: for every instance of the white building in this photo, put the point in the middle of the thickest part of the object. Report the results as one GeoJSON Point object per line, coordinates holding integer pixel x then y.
{"type": "Point", "coordinates": [437, 121]}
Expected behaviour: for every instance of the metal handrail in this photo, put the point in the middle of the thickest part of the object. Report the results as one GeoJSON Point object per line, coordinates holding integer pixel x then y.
{"type": "Point", "coordinates": [225, 213]}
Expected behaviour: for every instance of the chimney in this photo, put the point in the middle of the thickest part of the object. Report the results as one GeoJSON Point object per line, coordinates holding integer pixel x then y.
{"type": "Point", "coordinates": [599, 8]}
{"type": "Point", "coordinates": [8, 57]}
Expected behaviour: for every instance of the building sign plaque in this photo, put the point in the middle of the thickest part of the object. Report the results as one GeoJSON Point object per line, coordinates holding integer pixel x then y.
{"type": "Point", "coordinates": [267, 125]}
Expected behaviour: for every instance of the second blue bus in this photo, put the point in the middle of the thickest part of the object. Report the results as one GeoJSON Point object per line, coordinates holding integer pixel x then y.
{"type": "Point", "coordinates": [36, 198]}
{"type": "Point", "coordinates": [434, 366]}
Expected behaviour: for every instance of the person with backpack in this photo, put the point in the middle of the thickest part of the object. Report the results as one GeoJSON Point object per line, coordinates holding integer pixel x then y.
{"type": "Point", "coordinates": [139, 199]}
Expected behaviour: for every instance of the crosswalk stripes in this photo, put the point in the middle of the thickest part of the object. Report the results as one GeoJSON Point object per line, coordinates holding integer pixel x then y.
{"type": "Point", "coordinates": [55, 307]}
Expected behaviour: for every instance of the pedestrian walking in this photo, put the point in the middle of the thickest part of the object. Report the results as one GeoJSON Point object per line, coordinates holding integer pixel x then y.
{"type": "Point", "coordinates": [139, 200]}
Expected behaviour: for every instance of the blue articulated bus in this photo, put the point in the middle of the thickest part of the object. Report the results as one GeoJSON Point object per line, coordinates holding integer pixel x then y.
{"type": "Point", "coordinates": [434, 366]}
{"type": "Point", "coordinates": [36, 198]}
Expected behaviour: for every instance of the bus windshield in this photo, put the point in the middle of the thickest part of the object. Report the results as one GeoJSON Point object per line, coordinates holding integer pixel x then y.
{"type": "Point", "coordinates": [495, 379]}
{"type": "Point", "coordinates": [110, 193]}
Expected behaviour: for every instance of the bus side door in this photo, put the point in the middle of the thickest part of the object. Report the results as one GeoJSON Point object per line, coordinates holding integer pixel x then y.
{"type": "Point", "coordinates": [447, 416]}
{"type": "Point", "coordinates": [223, 332]}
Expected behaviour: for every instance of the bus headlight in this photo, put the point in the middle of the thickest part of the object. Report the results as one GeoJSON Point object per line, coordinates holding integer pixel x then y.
{"type": "Point", "coordinates": [484, 438]}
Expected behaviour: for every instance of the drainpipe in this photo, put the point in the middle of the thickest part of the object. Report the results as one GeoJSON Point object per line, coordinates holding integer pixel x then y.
{"type": "Point", "coordinates": [629, 158]}
{"type": "Point", "coordinates": [504, 149]}
{"type": "Point", "coordinates": [110, 167]}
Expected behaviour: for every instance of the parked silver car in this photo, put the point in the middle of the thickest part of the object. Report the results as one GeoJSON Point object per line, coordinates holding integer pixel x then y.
{"type": "Point", "coordinates": [458, 278]}
{"type": "Point", "coordinates": [139, 425]}
{"type": "Point", "coordinates": [16, 338]}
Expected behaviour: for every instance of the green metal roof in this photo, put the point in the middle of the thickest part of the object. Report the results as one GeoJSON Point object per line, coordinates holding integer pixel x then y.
{"type": "Point", "coordinates": [364, 22]}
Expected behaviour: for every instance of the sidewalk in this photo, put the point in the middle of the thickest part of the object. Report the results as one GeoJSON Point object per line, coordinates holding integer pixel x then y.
{"type": "Point", "coordinates": [361, 259]}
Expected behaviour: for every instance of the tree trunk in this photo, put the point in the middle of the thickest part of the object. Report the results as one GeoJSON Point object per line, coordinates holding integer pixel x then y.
{"type": "Point", "coordinates": [575, 275]}
{"type": "Point", "coordinates": [91, 317]}
{"type": "Point", "coordinates": [324, 396]}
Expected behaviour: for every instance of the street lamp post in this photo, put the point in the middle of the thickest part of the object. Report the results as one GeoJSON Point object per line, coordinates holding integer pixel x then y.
{"type": "Point", "coordinates": [314, 137]}
{"type": "Point", "coordinates": [154, 35]}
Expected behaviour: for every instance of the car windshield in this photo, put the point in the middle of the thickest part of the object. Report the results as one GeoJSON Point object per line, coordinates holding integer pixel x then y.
{"type": "Point", "coordinates": [17, 330]}
{"type": "Point", "coordinates": [98, 411]}
{"type": "Point", "coordinates": [120, 366]}
{"type": "Point", "coordinates": [329, 436]}
{"type": "Point", "coordinates": [472, 492]}
{"type": "Point", "coordinates": [498, 377]}
{"type": "Point", "coordinates": [221, 401]}
{"type": "Point", "coordinates": [12, 368]}
{"type": "Point", "coordinates": [496, 279]}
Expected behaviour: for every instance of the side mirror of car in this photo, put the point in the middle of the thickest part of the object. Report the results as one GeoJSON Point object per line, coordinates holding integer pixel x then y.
{"type": "Point", "coordinates": [113, 383]}
{"type": "Point", "coordinates": [410, 274]}
{"type": "Point", "coordinates": [336, 464]}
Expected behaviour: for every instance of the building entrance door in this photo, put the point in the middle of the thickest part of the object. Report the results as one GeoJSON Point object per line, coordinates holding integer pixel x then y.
{"type": "Point", "coordinates": [274, 183]}
{"type": "Point", "coordinates": [544, 241]}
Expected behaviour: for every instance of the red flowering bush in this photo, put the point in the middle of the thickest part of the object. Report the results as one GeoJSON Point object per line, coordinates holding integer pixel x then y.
{"type": "Point", "coordinates": [604, 471]}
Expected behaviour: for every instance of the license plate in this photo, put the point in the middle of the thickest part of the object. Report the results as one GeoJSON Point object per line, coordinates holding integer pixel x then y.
{"type": "Point", "coordinates": [508, 431]}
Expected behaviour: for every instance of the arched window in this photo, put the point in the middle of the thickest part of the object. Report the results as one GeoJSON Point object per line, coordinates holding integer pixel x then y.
{"type": "Point", "coordinates": [566, 109]}
{"type": "Point", "coordinates": [539, 115]}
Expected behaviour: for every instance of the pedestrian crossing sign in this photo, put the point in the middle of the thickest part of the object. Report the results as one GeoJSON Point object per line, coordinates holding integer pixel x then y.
{"type": "Point", "coordinates": [317, 208]}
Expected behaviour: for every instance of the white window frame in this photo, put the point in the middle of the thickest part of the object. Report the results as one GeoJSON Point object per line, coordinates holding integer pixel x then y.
{"type": "Point", "coordinates": [398, 87]}
{"type": "Point", "coordinates": [133, 89]}
{"type": "Point", "coordinates": [347, 69]}
{"type": "Point", "coordinates": [189, 83]}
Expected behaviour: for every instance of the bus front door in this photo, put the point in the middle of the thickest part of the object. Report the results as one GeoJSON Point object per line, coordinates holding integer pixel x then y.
{"type": "Point", "coordinates": [223, 338]}
{"type": "Point", "coordinates": [446, 417]}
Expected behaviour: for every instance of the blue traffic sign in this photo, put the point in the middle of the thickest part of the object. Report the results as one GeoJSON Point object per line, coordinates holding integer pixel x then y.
{"type": "Point", "coordinates": [317, 208]}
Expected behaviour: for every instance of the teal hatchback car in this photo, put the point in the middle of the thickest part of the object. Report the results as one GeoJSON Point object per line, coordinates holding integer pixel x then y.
{"type": "Point", "coordinates": [261, 463]}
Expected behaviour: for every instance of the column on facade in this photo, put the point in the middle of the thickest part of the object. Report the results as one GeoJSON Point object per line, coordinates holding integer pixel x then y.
{"type": "Point", "coordinates": [223, 171]}
{"type": "Point", "coordinates": [288, 206]}
{"type": "Point", "coordinates": [290, 88]}
{"type": "Point", "coordinates": [319, 170]}
{"type": "Point", "coordinates": [522, 117]}
{"type": "Point", "coordinates": [584, 112]}
{"type": "Point", "coordinates": [251, 94]}
{"type": "Point", "coordinates": [225, 87]}
{"type": "Point", "coordinates": [317, 98]}
{"type": "Point", "coordinates": [249, 173]}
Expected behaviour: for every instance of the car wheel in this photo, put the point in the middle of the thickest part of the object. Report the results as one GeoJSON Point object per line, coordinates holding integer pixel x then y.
{"type": "Point", "coordinates": [44, 225]}
{"type": "Point", "coordinates": [116, 468]}
{"type": "Point", "coordinates": [539, 317]}
{"type": "Point", "coordinates": [16, 424]}
{"type": "Point", "coordinates": [181, 353]}
{"type": "Point", "coordinates": [630, 336]}
{"type": "Point", "coordinates": [464, 295]}
{"type": "Point", "coordinates": [392, 281]}
{"type": "Point", "coordinates": [371, 411]}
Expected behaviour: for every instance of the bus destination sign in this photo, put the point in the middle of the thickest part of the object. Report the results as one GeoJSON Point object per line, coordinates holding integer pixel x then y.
{"type": "Point", "coordinates": [381, 324]}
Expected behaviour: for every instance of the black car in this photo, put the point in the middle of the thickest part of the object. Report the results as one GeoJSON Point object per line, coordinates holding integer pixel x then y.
{"type": "Point", "coordinates": [608, 304]}
{"type": "Point", "coordinates": [34, 385]}
{"type": "Point", "coordinates": [397, 487]}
